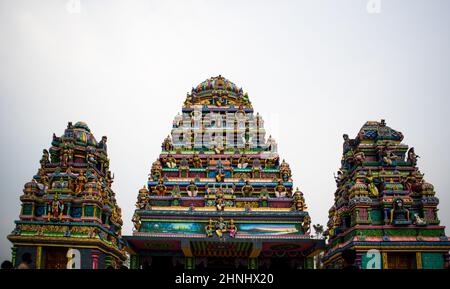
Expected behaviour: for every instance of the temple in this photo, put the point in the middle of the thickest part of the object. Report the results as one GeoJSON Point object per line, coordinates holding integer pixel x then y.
{"type": "Point", "coordinates": [383, 208]}
{"type": "Point", "coordinates": [218, 195]}
{"type": "Point", "coordinates": [69, 216]}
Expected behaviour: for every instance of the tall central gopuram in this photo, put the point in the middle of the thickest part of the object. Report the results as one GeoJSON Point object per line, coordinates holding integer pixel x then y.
{"type": "Point", "coordinates": [218, 195]}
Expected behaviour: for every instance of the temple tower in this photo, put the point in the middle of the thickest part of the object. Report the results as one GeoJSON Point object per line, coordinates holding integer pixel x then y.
{"type": "Point", "coordinates": [69, 216]}
{"type": "Point", "coordinates": [218, 195]}
{"type": "Point", "coordinates": [383, 208]}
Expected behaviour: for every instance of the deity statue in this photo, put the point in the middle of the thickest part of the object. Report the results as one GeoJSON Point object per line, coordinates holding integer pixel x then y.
{"type": "Point", "coordinates": [220, 201]}
{"type": "Point", "coordinates": [373, 190]}
{"type": "Point", "coordinates": [167, 144]}
{"type": "Point", "coordinates": [242, 162]}
{"type": "Point", "coordinates": [102, 144]}
{"type": "Point", "coordinates": [299, 201]}
{"type": "Point", "coordinates": [271, 162]}
{"type": "Point", "coordinates": [409, 182]}
{"type": "Point", "coordinates": [399, 214]}
{"type": "Point", "coordinates": [359, 158]}
{"type": "Point", "coordinates": [44, 181]}
{"type": "Point", "coordinates": [412, 157]}
{"type": "Point", "coordinates": [136, 221]}
{"type": "Point", "coordinates": [232, 229]}
{"type": "Point", "coordinates": [285, 171]}
{"type": "Point", "coordinates": [349, 144]}
{"type": "Point", "coordinates": [220, 175]}
{"type": "Point", "coordinates": [280, 190]}
{"type": "Point", "coordinates": [192, 189]}
{"type": "Point", "coordinates": [338, 178]}
{"type": "Point", "coordinates": [271, 144]}
{"type": "Point", "coordinates": [160, 188]}
{"type": "Point", "coordinates": [247, 189]}
{"type": "Point", "coordinates": [55, 208]}
{"type": "Point", "coordinates": [67, 154]}
{"type": "Point", "coordinates": [143, 198]}
{"type": "Point", "coordinates": [170, 161]}
{"type": "Point", "coordinates": [387, 156]}
{"type": "Point", "coordinates": [80, 181]}
{"type": "Point", "coordinates": [177, 120]}
{"type": "Point", "coordinates": [209, 229]}
{"type": "Point", "coordinates": [306, 223]}
{"type": "Point", "coordinates": [155, 172]}
{"type": "Point", "coordinates": [45, 158]}
{"type": "Point", "coordinates": [221, 227]}
{"type": "Point", "coordinates": [196, 161]}
{"type": "Point", "coordinates": [176, 192]}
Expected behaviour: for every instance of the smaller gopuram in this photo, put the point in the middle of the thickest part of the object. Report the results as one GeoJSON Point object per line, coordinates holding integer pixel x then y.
{"type": "Point", "coordinates": [69, 216]}
{"type": "Point", "coordinates": [383, 208]}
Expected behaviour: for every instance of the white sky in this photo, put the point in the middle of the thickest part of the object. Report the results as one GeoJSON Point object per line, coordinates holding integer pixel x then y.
{"type": "Point", "coordinates": [313, 69]}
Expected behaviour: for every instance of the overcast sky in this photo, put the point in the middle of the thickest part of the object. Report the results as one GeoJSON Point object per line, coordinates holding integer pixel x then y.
{"type": "Point", "coordinates": [313, 69]}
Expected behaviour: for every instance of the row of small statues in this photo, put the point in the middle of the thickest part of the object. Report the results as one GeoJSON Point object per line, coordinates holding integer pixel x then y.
{"type": "Point", "coordinates": [196, 162]}
{"type": "Point", "coordinates": [247, 190]}
{"type": "Point", "coordinates": [220, 227]}
{"type": "Point", "coordinates": [411, 182]}
{"type": "Point", "coordinates": [64, 155]}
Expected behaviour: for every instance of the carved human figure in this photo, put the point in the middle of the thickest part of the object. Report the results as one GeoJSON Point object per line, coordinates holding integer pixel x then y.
{"type": "Point", "coordinates": [299, 201]}
{"type": "Point", "coordinates": [409, 182]}
{"type": "Point", "coordinates": [167, 144]}
{"type": "Point", "coordinates": [160, 188]}
{"type": "Point", "coordinates": [143, 198]}
{"type": "Point", "coordinates": [45, 158]}
{"type": "Point", "coordinates": [247, 189]}
{"type": "Point", "coordinates": [196, 161]}
{"type": "Point", "coordinates": [242, 162]}
{"type": "Point", "coordinates": [285, 171]}
{"type": "Point", "coordinates": [399, 214]}
{"type": "Point", "coordinates": [192, 189]}
{"type": "Point", "coordinates": [55, 209]}
{"type": "Point", "coordinates": [280, 190]}
{"type": "Point", "coordinates": [412, 157]}
{"type": "Point", "coordinates": [155, 172]}
{"type": "Point", "coordinates": [209, 229]}
{"type": "Point", "coordinates": [170, 161]}
{"type": "Point", "coordinates": [221, 227]}
{"type": "Point", "coordinates": [136, 222]}
{"type": "Point", "coordinates": [220, 201]}
{"type": "Point", "coordinates": [373, 190]}
{"type": "Point", "coordinates": [232, 229]}
{"type": "Point", "coordinates": [80, 181]}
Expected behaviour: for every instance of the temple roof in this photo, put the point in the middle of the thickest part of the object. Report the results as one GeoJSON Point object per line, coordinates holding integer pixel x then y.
{"type": "Point", "coordinates": [217, 91]}
{"type": "Point", "coordinates": [217, 83]}
{"type": "Point", "coordinates": [374, 130]}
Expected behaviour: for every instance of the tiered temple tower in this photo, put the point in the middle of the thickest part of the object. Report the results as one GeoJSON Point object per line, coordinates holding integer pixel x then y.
{"type": "Point", "coordinates": [70, 217]}
{"type": "Point", "coordinates": [382, 202]}
{"type": "Point", "coordinates": [218, 195]}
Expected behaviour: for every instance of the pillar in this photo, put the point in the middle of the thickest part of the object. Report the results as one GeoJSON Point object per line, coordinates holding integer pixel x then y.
{"type": "Point", "coordinates": [189, 263]}
{"type": "Point", "coordinates": [419, 260]}
{"type": "Point", "coordinates": [95, 255]}
{"type": "Point", "coordinates": [13, 255]}
{"type": "Point", "coordinates": [108, 261]}
{"type": "Point", "coordinates": [385, 260]}
{"type": "Point", "coordinates": [38, 257]}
